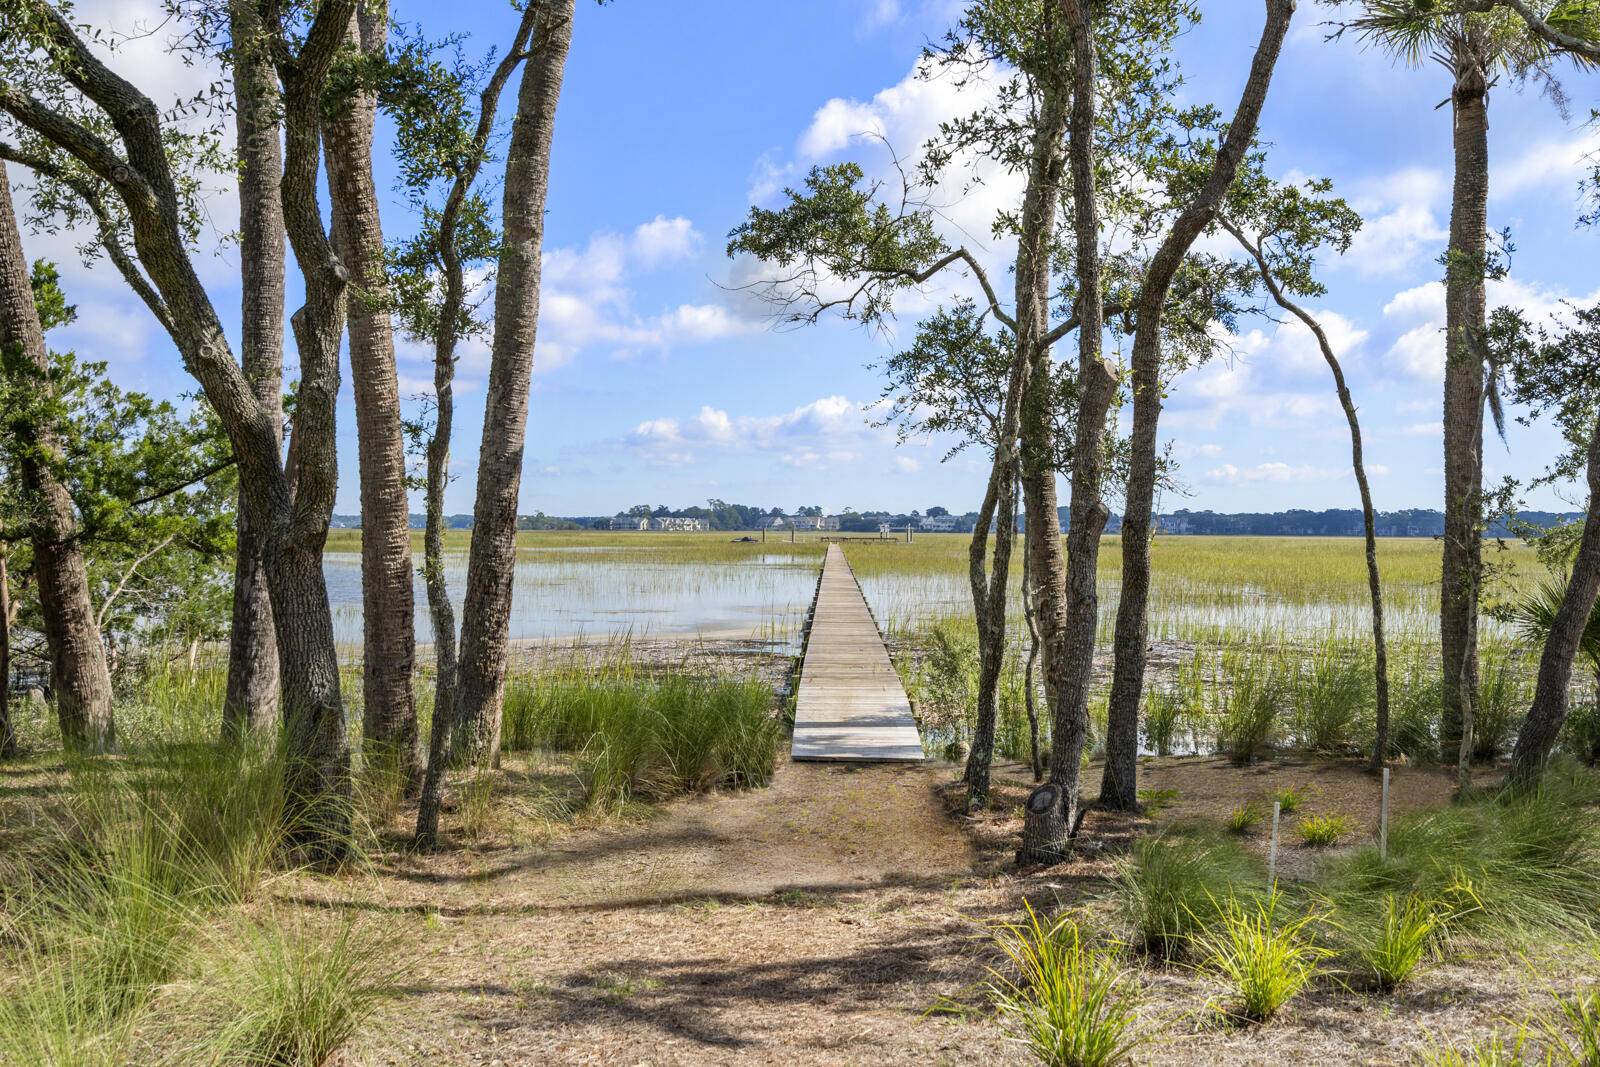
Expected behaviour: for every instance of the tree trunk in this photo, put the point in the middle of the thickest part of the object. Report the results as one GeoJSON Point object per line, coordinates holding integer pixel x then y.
{"type": "Point", "coordinates": [1380, 747]}
{"type": "Point", "coordinates": [480, 679]}
{"type": "Point", "coordinates": [389, 645]}
{"type": "Point", "coordinates": [1119, 788]}
{"type": "Point", "coordinates": [8, 731]}
{"type": "Point", "coordinates": [78, 673]}
{"type": "Point", "coordinates": [251, 704]}
{"type": "Point", "coordinates": [989, 604]}
{"type": "Point", "coordinates": [1028, 697]}
{"type": "Point", "coordinates": [451, 309]}
{"type": "Point", "coordinates": [1548, 712]}
{"type": "Point", "coordinates": [1464, 396]}
{"type": "Point", "coordinates": [1066, 602]}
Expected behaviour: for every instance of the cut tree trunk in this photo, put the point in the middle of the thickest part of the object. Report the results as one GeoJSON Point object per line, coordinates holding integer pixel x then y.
{"type": "Point", "coordinates": [79, 676]}
{"type": "Point", "coordinates": [480, 678]}
{"type": "Point", "coordinates": [251, 703]}
{"type": "Point", "coordinates": [389, 712]}
{"type": "Point", "coordinates": [1464, 397]}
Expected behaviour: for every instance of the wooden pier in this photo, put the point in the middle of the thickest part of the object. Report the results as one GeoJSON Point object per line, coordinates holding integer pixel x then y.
{"type": "Point", "coordinates": [850, 705]}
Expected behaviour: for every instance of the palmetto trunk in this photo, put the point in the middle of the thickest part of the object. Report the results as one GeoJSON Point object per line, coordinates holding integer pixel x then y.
{"type": "Point", "coordinates": [480, 679]}
{"type": "Point", "coordinates": [389, 717]}
{"type": "Point", "coordinates": [78, 673]}
{"type": "Point", "coordinates": [1549, 709]}
{"type": "Point", "coordinates": [251, 704]}
{"type": "Point", "coordinates": [1463, 399]}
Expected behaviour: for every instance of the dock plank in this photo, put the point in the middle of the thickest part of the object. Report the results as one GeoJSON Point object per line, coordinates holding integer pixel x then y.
{"type": "Point", "coordinates": [850, 705]}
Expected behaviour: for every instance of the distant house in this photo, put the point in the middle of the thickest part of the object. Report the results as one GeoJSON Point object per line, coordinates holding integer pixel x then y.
{"type": "Point", "coordinates": [938, 523]}
{"type": "Point", "coordinates": [629, 522]}
{"type": "Point", "coordinates": [775, 522]}
{"type": "Point", "coordinates": [816, 522]}
{"type": "Point", "coordinates": [674, 524]}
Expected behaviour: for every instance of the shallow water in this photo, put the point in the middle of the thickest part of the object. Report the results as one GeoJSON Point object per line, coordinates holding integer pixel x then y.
{"type": "Point", "coordinates": [600, 592]}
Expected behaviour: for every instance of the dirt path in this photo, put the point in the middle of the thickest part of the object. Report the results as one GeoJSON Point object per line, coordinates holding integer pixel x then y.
{"type": "Point", "coordinates": [809, 922]}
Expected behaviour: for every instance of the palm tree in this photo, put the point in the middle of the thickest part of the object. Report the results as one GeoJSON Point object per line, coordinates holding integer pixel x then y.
{"type": "Point", "coordinates": [1476, 48]}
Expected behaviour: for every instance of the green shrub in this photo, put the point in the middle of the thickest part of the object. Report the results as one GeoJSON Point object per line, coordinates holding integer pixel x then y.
{"type": "Point", "coordinates": [1071, 1004]}
{"type": "Point", "coordinates": [1248, 719]}
{"type": "Point", "coordinates": [1320, 831]}
{"type": "Point", "coordinates": [1580, 734]}
{"type": "Point", "coordinates": [1400, 941]}
{"type": "Point", "coordinates": [1169, 885]}
{"type": "Point", "coordinates": [1154, 800]}
{"type": "Point", "coordinates": [1266, 959]}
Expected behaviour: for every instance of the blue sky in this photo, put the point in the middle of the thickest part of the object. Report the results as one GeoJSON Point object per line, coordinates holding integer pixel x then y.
{"type": "Point", "coordinates": [656, 384]}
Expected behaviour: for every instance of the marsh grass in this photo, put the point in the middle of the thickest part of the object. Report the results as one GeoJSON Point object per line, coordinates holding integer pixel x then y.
{"type": "Point", "coordinates": [1332, 696]}
{"type": "Point", "coordinates": [1266, 957]}
{"type": "Point", "coordinates": [1163, 718]}
{"type": "Point", "coordinates": [1071, 1004]}
{"type": "Point", "coordinates": [641, 738]}
{"type": "Point", "coordinates": [1248, 693]}
{"type": "Point", "coordinates": [1167, 889]}
{"type": "Point", "coordinates": [1502, 700]}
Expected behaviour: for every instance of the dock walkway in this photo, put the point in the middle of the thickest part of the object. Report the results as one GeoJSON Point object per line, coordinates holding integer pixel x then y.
{"type": "Point", "coordinates": [850, 705]}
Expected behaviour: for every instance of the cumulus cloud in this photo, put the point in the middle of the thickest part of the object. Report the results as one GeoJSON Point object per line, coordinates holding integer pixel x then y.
{"type": "Point", "coordinates": [829, 431]}
{"type": "Point", "coordinates": [1279, 472]}
{"type": "Point", "coordinates": [1552, 164]}
{"type": "Point", "coordinates": [1402, 228]}
{"type": "Point", "coordinates": [1418, 314]}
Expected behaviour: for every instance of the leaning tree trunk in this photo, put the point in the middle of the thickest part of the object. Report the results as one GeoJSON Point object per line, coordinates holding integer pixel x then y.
{"type": "Point", "coordinates": [1029, 699]}
{"type": "Point", "coordinates": [1119, 786]}
{"type": "Point", "coordinates": [1463, 399]}
{"type": "Point", "coordinates": [989, 589]}
{"type": "Point", "coordinates": [480, 679]}
{"type": "Point", "coordinates": [1549, 709]}
{"type": "Point", "coordinates": [389, 715]}
{"type": "Point", "coordinates": [251, 703]}
{"type": "Point", "coordinates": [1066, 602]}
{"type": "Point", "coordinates": [8, 731]}
{"type": "Point", "coordinates": [1380, 746]}
{"type": "Point", "coordinates": [78, 673]}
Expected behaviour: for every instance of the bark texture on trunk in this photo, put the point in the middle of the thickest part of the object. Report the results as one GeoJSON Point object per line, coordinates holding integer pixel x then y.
{"type": "Point", "coordinates": [78, 672]}
{"type": "Point", "coordinates": [8, 730]}
{"type": "Point", "coordinates": [1464, 397]}
{"type": "Point", "coordinates": [1066, 603]}
{"type": "Point", "coordinates": [990, 584]}
{"type": "Point", "coordinates": [316, 781]}
{"type": "Point", "coordinates": [1119, 786]}
{"type": "Point", "coordinates": [1537, 738]}
{"type": "Point", "coordinates": [440, 611]}
{"type": "Point", "coordinates": [251, 703]}
{"type": "Point", "coordinates": [480, 678]}
{"type": "Point", "coordinates": [388, 620]}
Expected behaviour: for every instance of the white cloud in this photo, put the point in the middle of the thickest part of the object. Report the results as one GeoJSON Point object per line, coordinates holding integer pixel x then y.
{"type": "Point", "coordinates": [662, 239]}
{"type": "Point", "coordinates": [906, 465]}
{"type": "Point", "coordinates": [1553, 164]}
{"type": "Point", "coordinates": [1275, 471]}
{"type": "Point", "coordinates": [829, 431]}
{"type": "Point", "coordinates": [1418, 352]}
{"type": "Point", "coordinates": [1401, 227]}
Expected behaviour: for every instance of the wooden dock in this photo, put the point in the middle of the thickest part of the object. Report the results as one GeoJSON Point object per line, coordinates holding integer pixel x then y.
{"type": "Point", "coordinates": [850, 705]}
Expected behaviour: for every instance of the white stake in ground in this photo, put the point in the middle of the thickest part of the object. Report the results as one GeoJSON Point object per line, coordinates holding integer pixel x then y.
{"type": "Point", "coordinates": [1383, 819]}
{"type": "Point", "coordinates": [1272, 850]}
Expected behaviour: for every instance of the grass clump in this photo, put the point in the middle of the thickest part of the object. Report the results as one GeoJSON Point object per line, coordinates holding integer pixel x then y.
{"type": "Point", "coordinates": [292, 996]}
{"type": "Point", "coordinates": [1154, 800]}
{"type": "Point", "coordinates": [1405, 932]}
{"type": "Point", "coordinates": [1245, 817]}
{"type": "Point", "coordinates": [1069, 1003]}
{"type": "Point", "coordinates": [1498, 1051]}
{"type": "Point", "coordinates": [1163, 718]}
{"type": "Point", "coordinates": [1290, 798]}
{"type": "Point", "coordinates": [1168, 888]}
{"type": "Point", "coordinates": [1514, 866]}
{"type": "Point", "coordinates": [1320, 831]}
{"type": "Point", "coordinates": [1265, 958]}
